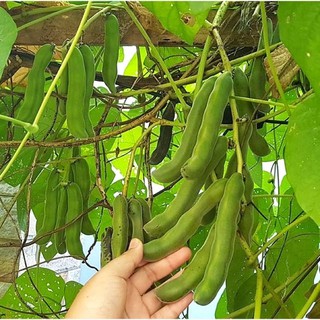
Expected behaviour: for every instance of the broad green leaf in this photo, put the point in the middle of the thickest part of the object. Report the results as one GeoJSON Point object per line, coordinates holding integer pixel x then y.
{"type": "Point", "coordinates": [264, 216]}
{"type": "Point", "coordinates": [268, 182]}
{"type": "Point", "coordinates": [254, 164]}
{"type": "Point", "coordinates": [131, 68]}
{"type": "Point", "coordinates": [239, 272]}
{"type": "Point", "coordinates": [275, 137]}
{"type": "Point", "coordinates": [117, 186]}
{"type": "Point", "coordinates": [22, 209]}
{"type": "Point", "coordinates": [221, 310]}
{"type": "Point", "coordinates": [107, 173]}
{"type": "Point", "coordinates": [285, 185]}
{"type": "Point", "coordinates": [71, 290]}
{"type": "Point", "coordinates": [40, 288]}
{"type": "Point", "coordinates": [182, 18]}
{"type": "Point", "coordinates": [11, 4]}
{"type": "Point", "coordinates": [20, 169]}
{"type": "Point", "coordinates": [298, 22]}
{"type": "Point", "coordinates": [245, 296]}
{"type": "Point", "coordinates": [112, 118]}
{"type": "Point", "coordinates": [197, 240]}
{"type": "Point", "coordinates": [302, 155]}
{"type": "Point", "coordinates": [271, 309]}
{"type": "Point", "coordinates": [290, 253]}
{"type": "Point", "coordinates": [172, 56]}
{"type": "Point", "coordinates": [8, 35]}
{"type": "Point", "coordinates": [161, 201]}
{"type": "Point", "coordinates": [125, 142]}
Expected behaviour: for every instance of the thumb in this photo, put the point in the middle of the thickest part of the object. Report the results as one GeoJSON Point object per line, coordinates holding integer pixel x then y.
{"type": "Point", "coordinates": [125, 265]}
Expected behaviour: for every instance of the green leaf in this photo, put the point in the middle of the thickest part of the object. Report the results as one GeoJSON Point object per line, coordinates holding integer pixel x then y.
{"type": "Point", "coordinates": [298, 22]}
{"type": "Point", "coordinates": [112, 118]}
{"type": "Point", "coordinates": [161, 201]}
{"type": "Point", "coordinates": [183, 18]}
{"type": "Point", "coordinates": [221, 310]}
{"type": "Point", "coordinates": [22, 209]}
{"type": "Point", "coordinates": [245, 296]}
{"type": "Point", "coordinates": [131, 68]}
{"type": "Point", "coordinates": [268, 182]}
{"type": "Point", "coordinates": [290, 253]}
{"type": "Point", "coordinates": [239, 272]}
{"type": "Point", "coordinates": [197, 240]}
{"type": "Point", "coordinates": [171, 56]}
{"type": "Point", "coordinates": [264, 216]}
{"type": "Point", "coordinates": [20, 169]}
{"type": "Point", "coordinates": [40, 288]}
{"type": "Point", "coordinates": [302, 155]}
{"type": "Point", "coordinates": [8, 35]}
{"type": "Point", "coordinates": [71, 290]}
{"type": "Point", "coordinates": [116, 187]}
{"type": "Point", "coordinates": [255, 166]}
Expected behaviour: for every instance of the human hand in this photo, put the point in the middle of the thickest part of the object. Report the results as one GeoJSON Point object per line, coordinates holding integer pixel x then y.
{"type": "Point", "coordinates": [120, 289]}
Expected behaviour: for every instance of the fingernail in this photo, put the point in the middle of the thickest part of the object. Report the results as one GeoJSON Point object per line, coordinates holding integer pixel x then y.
{"type": "Point", "coordinates": [134, 243]}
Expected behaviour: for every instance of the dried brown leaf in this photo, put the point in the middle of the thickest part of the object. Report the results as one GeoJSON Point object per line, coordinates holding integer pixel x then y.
{"type": "Point", "coordinates": [285, 66]}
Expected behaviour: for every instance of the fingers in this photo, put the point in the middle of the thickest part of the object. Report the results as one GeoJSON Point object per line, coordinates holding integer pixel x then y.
{"type": "Point", "coordinates": [151, 300]}
{"type": "Point", "coordinates": [144, 277]}
{"type": "Point", "coordinates": [173, 310]}
{"type": "Point", "coordinates": [125, 265]}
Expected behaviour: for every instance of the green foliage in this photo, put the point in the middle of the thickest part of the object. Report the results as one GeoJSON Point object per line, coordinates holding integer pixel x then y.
{"type": "Point", "coordinates": [8, 35]}
{"type": "Point", "coordinates": [183, 19]}
{"type": "Point", "coordinates": [302, 155]}
{"type": "Point", "coordinates": [297, 21]}
{"type": "Point", "coordinates": [117, 158]}
{"type": "Point", "coordinates": [37, 292]}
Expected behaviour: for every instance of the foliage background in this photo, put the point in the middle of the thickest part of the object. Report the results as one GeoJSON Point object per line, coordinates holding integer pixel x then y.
{"type": "Point", "coordinates": [287, 235]}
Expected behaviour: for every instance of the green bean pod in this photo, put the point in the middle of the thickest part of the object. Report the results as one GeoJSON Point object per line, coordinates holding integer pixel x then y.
{"type": "Point", "coordinates": [75, 106]}
{"type": "Point", "coordinates": [63, 87]}
{"type": "Point", "coordinates": [73, 231]}
{"type": "Point", "coordinates": [258, 76]}
{"type": "Point", "coordinates": [81, 176]}
{"type": "Point", "coordinates": [209, 129]}
{"type": "Point", "coordinates": [34, 93]}
{"type": "Point", "coordinates": [165, 136]}
{"type": "Point", "coordinates": [186, 196]}
{"type": "Point", "coordinates": [192, 274]}
{"type": "Point", "coordinates": [50, 207]}
{"type": "Point", "coordinates": [89, 64]}
{"type": "Point", "coordinates": [209, 217]}
{"type": "Point", "coordinates": [135, 216]}
{"type": "Point", "coordinates": [111, 52]}
{"type": "Point", "coordinates": [241, 88]}
{"type": "Point", "coordinates": [106, 254]}
{"type": "Point", "coordinates": [219, 169]}
{"type": "Point", "coordinates": [120, 226]}
{"type": "Point", "coordinates": [247, 216]}
{"type": "Point", "coordinates": [258, 144]}
{"type": "Point", "coordinates": [223, 245]}
{"type": "Point", "coordinates": [58, 237]}
{"type": "Point", "coordinates": [146, 217]}
{"type": "Point", "coordinates": [170, 170]}
{"type": "Point", "coordinates": [186, 226]}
